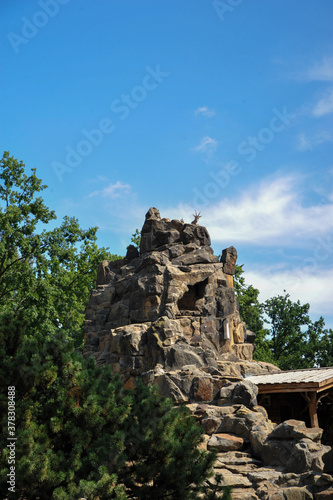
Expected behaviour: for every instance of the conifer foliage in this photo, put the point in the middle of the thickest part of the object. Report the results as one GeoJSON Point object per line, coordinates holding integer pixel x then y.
{"type": "Point", "coordinates": [78, 432]}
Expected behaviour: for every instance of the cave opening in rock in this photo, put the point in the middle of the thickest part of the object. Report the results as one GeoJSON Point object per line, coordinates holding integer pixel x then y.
{"type": "Point", "coordinates": [195, 292]}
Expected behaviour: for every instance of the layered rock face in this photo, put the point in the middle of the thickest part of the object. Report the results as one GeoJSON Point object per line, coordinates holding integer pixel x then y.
{"type": "Point", "coordinates": [170, 314]}
{"type": "Point", "coordinates": [263, 461]}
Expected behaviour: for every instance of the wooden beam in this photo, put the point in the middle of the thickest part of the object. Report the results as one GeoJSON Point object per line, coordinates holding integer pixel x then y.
{"type": "Point", "coordinates": [313, 409]}
{"type": "Point", "coordinates": [274, 388]}
{"type": "Point", "coordinates": [325, 384]}
{"type": "Point", "coordinates": [295, 387]}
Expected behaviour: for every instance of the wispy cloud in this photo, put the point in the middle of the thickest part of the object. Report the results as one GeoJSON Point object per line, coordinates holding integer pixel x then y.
{"type": "Point", "coordinates": [308, 287]}
{"type": "Point", "coordinates": [112, 190]}
{"type": "Point", "coordinates": [306, 143]}
{"type": "Point", "coordinates": [269, 214]}
{"type": "Point", "coordinates": [207, 145]}
{"type": "Point", "coordinates": [324, 105]}
{"type": "Point", "coordinates": [320, 71]}
{"type": "Point", "coordinates": [205, 112]}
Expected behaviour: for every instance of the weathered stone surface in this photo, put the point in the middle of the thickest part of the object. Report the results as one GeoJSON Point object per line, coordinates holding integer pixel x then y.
{"type": "Point", "coordinates": [324, 495]}
{"type": "Point", "coordinates": [202, 255]}
{"type": "Point", "coordinates": [228, 259]}
{"type": "Point", "coordinates": [243, 351]}
{"type": "Point", "coordinates": [267, 475]}
{"type": "Point", "coordinates": [237, 458]}
{"type": "Point", "coordinates": [243, 392]}
{"type": "Point", "coordinates": [157, 232]}
{"type": "Point", "coordinates": [255, 367]}
{"type": "Point", "coordinates": [295, 493]}
{"type": "Point", "coordinates": [235, 480]}
{"type": "Point", "coordinates": [202, 389]}
{"type": "Point", "coordinates": [258, 436]}
{"type": "Point", "coordinates": [328, 460]}
{"type": "Point", "coordinates": [210, 424]}
{"type": "Point", "coordinates": [244, 494]}
{"type": "Point", "coordinates": [239, 333]}
{"type": "Point", "coordinates": [296, 429]}
{"type": "Point", "coordinates": [225, 442]}
{"type": "Point", "coordinates": [295, 455]}
{"type": "Point", "coordinates": [173, 386]}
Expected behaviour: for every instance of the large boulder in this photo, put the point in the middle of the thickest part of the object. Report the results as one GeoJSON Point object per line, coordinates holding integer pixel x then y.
{"type": "Point", "coordinates": [295, 447]}
{"type": "Point", "coordinates": [243, 392]}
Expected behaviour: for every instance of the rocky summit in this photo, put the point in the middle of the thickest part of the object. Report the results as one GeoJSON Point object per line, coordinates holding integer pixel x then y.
{"type": "Point", "coordinates": [169, 315]}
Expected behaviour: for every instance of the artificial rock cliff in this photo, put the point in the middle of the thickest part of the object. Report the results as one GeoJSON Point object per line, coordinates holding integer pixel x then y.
{"type": "Point", "coordinates": [169, 315]}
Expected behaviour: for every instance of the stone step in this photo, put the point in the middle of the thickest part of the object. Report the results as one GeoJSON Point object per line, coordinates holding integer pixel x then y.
{"type": "Point", "coordinates": [234, 480]}
{"type": "Point", "coordinates": [241, 494]}
{"type": "Point", "coordinates": [225, 442]}
{"type": "Point", "coordinates": [237, 458]}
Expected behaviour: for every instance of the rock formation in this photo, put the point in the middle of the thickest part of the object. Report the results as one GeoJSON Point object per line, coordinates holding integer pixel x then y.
{"type": "Point", "coordinates": [169, 315]}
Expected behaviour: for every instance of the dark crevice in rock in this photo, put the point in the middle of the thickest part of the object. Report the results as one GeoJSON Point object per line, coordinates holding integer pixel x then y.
{"type": "Point", "coordinates": [195, 293]}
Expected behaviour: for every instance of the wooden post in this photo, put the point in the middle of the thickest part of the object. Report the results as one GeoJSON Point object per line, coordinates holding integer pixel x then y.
{"type": "Point", "coordinates": [313, 409]}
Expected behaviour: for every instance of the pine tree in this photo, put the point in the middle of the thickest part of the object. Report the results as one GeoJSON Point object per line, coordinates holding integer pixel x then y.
{"type": "Point", "coordinates": [79, 432]}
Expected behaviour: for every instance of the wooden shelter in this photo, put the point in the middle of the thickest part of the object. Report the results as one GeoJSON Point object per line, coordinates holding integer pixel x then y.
{"type": "Point", "coordinates": [293, 386]}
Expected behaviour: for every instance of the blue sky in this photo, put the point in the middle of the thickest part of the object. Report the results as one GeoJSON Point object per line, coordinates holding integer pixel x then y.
{"type": "Point", "coordinates": [219, 106]}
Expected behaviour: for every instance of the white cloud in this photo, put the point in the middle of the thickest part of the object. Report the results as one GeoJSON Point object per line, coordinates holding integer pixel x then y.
{"type": "Point", "coordinates": [302, 284]}
{"type": "Point", "coordinates": [305, 143]}
{"type": "Point", "coordinates": [324, 105]}
{"type": "Point", "coordinates": [112, 190]}
{"type": "Point", "coordinates": [269, 214]}
{"type": "Point", "coordinates": [320, 71]}
{"type": "Point", "coordinates": [207, 145]}
{"type": "Point", "coordinates": [205, 112]}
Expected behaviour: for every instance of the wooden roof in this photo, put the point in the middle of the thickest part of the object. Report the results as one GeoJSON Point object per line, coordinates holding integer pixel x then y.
{"type": "Point", "coordinates": [311, 380]}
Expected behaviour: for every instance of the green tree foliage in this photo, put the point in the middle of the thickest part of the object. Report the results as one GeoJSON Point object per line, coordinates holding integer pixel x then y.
{"type": "Point", "coordinates": [79, 433]}
{"type": "Point", "coordinates": [286, 336]}
{"type": "Point", "coordinates": [162, 451]}
{"type": "Point", "coordinates": [295, 341]}
{"type": "Point", "coordinates": [250, 308]}
{"type": "Point", "coordinates": [136, 239]}
{"type": "Point", "coordinates": [288, 340]}
{"type": "Point", "coordinates": [57, 268]}
{"type": "Point", "coordinates": [251, 312]}
{"type": "Point", "coordinates": [67, 421]}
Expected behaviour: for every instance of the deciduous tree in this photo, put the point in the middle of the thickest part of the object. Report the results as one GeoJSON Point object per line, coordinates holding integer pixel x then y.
{"type": "Point", "coordinates": [286, 336]}
{"type": "Point", "coordinates": [79, 432]}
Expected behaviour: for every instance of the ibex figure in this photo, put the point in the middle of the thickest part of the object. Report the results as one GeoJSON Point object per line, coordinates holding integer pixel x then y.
{"type": "Point", "coordinates": [196, 218]}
